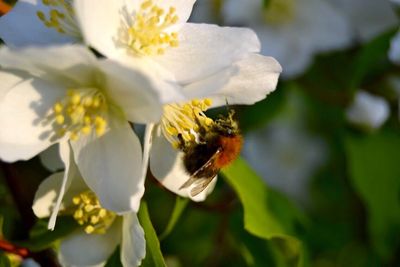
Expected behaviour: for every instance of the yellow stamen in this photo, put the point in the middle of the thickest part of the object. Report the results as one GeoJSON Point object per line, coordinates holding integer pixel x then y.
{"type": "Point", "coordinates": [147, 32]}
{"type": "Point", "coordinates": [89, 213]}
{"type": "Point", "coordinates": [60, 17]}
{"type": "Point", "coordinates": [80, 112]}
{"type": "Point", "coordinates": [182, 122]}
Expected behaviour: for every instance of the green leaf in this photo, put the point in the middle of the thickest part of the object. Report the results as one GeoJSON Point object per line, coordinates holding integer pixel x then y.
{"type": "Point", "coordinates": [375, 174]}
{"type": "Point", "coordinates": [371, 57]}
{"type": "Point", "coordinates": [4, 260]}
{"type": "Point", "coordinates": [41, 238]}
{"type": "Point", "coordinates": [115, 259]}
{"type": "Point", "coordinates": [154, 257]}
{"type": "Point", "coordinates": [261, 207]}
{"type": "Point", "coordinates": [180, 205]}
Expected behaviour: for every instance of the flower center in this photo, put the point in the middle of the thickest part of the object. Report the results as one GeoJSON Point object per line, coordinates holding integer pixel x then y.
{"type": "Point", "coordinates": [89, 213]}
{"type": "Point", "coordinates": [182, 123]}
{"type": "Point", "coordinates": [80, 112]}
{"type": "Point", "coordinates": [61, 17]}
{"type": "Point", "coordinates": [279, 11]}
{"type": "Point", "coordinates": [145, 32]}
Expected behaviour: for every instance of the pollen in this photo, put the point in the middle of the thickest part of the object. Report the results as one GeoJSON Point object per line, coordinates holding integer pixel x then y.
{"type": "Point", "coordinates": [80, 112]}
{"type": "Point", "coordinates": [89, 213]}
{"type": "Point", "coordinates": [279, 12]}
{"type": "Point", "coordinates": [60, 17]}
{"type": "Point", "coordinates": [147, 32]}
{"type": "Point", "coordinates": [181, 123]}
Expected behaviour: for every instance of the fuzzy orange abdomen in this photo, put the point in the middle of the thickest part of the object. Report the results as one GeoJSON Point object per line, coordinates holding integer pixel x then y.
{"type": "Point", "coordinates": [231, 147]}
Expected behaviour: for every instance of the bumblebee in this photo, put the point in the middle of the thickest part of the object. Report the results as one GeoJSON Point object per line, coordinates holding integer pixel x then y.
{"type": "Point", "coordinates": [214, 148]}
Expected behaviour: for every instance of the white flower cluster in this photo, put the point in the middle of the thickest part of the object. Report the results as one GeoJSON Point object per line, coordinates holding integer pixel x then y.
{"type": "Point", "coordinates": [153, 68]}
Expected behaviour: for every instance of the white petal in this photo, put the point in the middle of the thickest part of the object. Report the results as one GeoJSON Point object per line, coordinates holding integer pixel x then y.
{"type": "Point", "coordinates": [81, 249]}
{"type": "Point", "coordinates": [207, 49]}
{"type": "Point", "coordinates": [112, 167]}
{"type": "Point", "coordinates": [21, 26]}
{"type": "Point", "coordinates": [166, 164]}
{"type": "Point", "coordinates": [50, 158]}
{"type": "Point", "coordinates": [256, 77]}
{"type": "Point", "coordinates": [46, 195]}
{"type": "Point", "coordinates": [68, 64]}
{"type": "Point", "coordinates": [23, 110]}
{"type": "Point", "coordinates": [133, 247]}
{"type": "Point", "coordinates": [100, 21]}
{"type": "Point", "coordinates": [137, 94]}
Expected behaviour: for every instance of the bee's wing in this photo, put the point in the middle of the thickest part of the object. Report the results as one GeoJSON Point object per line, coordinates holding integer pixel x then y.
{"type": "Point", "coordinates": [201, 183]}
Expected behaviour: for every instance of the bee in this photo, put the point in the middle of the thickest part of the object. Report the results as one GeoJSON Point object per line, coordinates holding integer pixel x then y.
{"type": "Point", "coordinates": [215, 148]}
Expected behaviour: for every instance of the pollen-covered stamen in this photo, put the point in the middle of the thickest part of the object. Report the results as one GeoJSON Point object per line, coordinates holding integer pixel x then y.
{"type": "Point", "coordinates": [89, 213]}
{"type": "Point", "coordinates": [279, 11]}
{"type": "Point", "coordinates": [80, 112]}
{"type": "Point", "coordinates": [182, 122]}
{"type": "Point", "coordinates": [146, 31]}
{"type": "Point", "coordinates": [61, 17]}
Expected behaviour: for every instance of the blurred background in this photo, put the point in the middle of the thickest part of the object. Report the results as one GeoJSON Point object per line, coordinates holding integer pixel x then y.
{"type": "Point", "coordinates": [326, 143]}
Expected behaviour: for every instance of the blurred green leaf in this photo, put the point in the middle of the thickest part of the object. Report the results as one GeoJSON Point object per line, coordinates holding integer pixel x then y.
{"type": "Point", "coordinates": [41, 238]}
{"type": "Point", "coordinates": [372, 58]}
{"type": "Point", "coordinates": [257, 115]}
{"type": "Point", "coordinates": [4, 260]}
{"type": "Point", "coordinates": [260, 210]}
{"type": "Point", "coordinates": [180, 205]}
{"type": "Point", "coordinates": [154, 257]}
{"type": "Point", "coordinates": [375, 173]}
{"type": "Point", "coordinates": [114, 260]}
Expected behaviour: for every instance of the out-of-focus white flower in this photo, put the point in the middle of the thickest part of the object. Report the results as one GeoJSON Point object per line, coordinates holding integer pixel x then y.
{"type": "Point", "coordinates": [394, 51]}
{"type": "Point", "coordinates": [368, 18]}
{"type": "Point", "coordinates": [100, 231]}
{"type": "Point", "coordinates": [368, 110]}
{"type": "Point", "coordinates": [291, 30]}
{"type": "Point", "coordinates": [256, 76]}
{"type": "Point", "coordinates": [286, 156]}
{"type": "Point", "coordinates": [40, 22]}
{"type": "Point", "coordinates": [65, 95]}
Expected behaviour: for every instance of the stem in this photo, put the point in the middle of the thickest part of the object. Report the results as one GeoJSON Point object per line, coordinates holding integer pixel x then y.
{"type": "Point", "coordinates": [10, 248]}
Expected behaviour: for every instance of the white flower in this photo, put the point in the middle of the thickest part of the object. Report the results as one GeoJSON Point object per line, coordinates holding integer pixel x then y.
{"type": "Point", "coordinates": [368, 110]}
{"type": "Point", "coordinates": [255, 77]}
{"type": "Point", "coordinates": [65, 95]}
{"type": "Point", "coordinates": [286, 156]}
{"type": "Point", "coordinates": [156, 34]}
{"type": "Point", "coordinates": [291, 30]}
{"type": "Point", "coordinates": [368, 18]}
{"type": "Point", "coordinates": [101, 230]}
